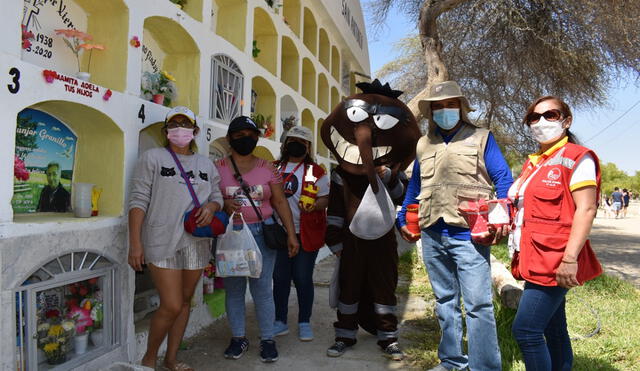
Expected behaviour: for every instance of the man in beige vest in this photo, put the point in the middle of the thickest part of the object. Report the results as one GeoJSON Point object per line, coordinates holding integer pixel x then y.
{"type": "Point", "coordinates": [456, 161]}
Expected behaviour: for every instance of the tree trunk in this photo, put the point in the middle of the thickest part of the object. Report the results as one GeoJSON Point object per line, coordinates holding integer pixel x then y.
{"type": "Point", "coordinates": [428, 25]}
{"type": "Point", "coordinates": [506, 286]}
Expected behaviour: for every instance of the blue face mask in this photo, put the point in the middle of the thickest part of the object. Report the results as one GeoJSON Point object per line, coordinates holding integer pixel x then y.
{"type": "Point", "coordinates": [446, 118]}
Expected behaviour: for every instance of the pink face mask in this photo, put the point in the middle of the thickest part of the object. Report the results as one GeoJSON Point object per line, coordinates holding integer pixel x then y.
{"type": "Point", "coordinates": [180, 137]}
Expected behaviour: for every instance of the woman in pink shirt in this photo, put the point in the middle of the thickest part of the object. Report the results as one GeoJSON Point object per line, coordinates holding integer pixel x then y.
{"type": "Point", "coordinates": [265, 188]}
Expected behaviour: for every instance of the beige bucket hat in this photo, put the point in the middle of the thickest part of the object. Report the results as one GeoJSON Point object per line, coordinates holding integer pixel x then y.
{"type": "Point", "coordinates": [441, 91]}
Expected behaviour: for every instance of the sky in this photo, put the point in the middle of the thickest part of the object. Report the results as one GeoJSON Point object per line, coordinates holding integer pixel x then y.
{"type": "Point", "coordinates": [613, 134]}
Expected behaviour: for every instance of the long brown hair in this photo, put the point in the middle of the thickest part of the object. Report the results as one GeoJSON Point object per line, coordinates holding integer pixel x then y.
{"type": "Point", "coordinates": [564, 109]}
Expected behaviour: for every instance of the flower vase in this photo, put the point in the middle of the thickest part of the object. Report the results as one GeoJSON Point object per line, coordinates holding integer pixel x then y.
{"type": "Point", "coordinates": [57, 359]}
{"type": "Point", "coordinates": [80, 343]}
{"type": "Point", "coordinates": [84, 76]}
{"type": "Point", "coordinates": [97, 337]}
{"type": "Point", "coordinates": [158, 99]}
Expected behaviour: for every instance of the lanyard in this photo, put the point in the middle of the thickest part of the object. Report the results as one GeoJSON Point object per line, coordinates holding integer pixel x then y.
{"type": "Point", "coordinates": [528, 172]}
{"type": "Point", "coordinates": [282, 168]}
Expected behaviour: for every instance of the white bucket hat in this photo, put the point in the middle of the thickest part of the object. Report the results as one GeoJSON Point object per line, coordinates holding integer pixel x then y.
{"type": "Point", "coordinates": [442, 91]}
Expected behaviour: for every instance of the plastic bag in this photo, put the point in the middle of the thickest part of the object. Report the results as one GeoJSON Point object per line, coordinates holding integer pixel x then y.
{"type": "Point", "coordinates": [375, 215]}
{"type": "Point", "coordinates": [237, 253]}
{"type": "Point", "coordinates": [476, 213]}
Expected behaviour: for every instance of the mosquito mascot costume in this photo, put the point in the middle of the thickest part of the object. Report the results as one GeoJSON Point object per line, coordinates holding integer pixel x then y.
{"type": "Point", "coordinates": [373, 136]}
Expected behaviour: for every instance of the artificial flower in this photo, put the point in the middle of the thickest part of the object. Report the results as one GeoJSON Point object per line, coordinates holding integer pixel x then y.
{"type": "Point", "coordinates": [49, 75]}
{"type": "Point", "coordinates": [51, 347]}
{"type": "Point", "coordinates": [44, 326]}
{"type": "Point", "coordinates": [26, 36]}
{"type": "Point", "coordinates": [19, 169]}
{"type": "Point", "coordinates": [52, 313]}
{"type": "Point", "coordinates": [56, 330]}
{"type": "Point", "coordinates": [67, 325]}
{"type": "Point", "coordinates": [71, 33]}
{"type": "Point", "coordinates": [106, 96]}
{"type": "Point", "coordinates": [168, 76]}
{"type": "Point", "coordinates": [135, 42]}
{"type": "Point", "coordinates": [92, 46]}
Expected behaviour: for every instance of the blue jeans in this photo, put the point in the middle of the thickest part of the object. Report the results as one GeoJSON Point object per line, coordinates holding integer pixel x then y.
{"type": "Point", "coordinates": [300, 269]}
{"type": "Point", "coordinates": [540, 328]}
{"type": "Point", "coordinates": [461, 268]}
{"type": "Point", "coordinates": [261, 292]}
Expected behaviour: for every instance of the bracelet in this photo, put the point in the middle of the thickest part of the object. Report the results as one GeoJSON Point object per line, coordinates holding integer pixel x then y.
{"type": "Point", "coordinates": [567, 262]}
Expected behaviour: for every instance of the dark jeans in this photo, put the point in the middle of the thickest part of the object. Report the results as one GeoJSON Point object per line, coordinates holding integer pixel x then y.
{"type": "Point", "coordinates": [300, 270]}
{"type": "Point", "coordinates": [540, 328]}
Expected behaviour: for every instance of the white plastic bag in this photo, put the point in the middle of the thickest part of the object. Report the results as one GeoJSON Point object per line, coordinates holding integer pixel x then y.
{"type": "Point", "coordinates": [375, 215]}
{"type": "Point", "coordinates": [237, 253]}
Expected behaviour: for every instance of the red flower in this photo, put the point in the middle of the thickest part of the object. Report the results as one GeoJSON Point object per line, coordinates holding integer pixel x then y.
{"type": "Point", "coordinates": [73, 289]}
{"type": "Point", "coordinates": [83, 291]}
{"type": "Point", "coordinates": [93, 281]}
{"type": "Point", "coordinates": [19, 169]}
{"type": "Point", "coordinates": [52, 313]}
{"type": "Point", "coordinates": [106, 97]}
{"type": "Point", "coordinates": [49, 75]}
{"type": "Point", "coordinates": [26, 36]}
{"type": "Point", "coordinates": [73, 302]}
{"type": "Point", "coordinates": [135, 42]}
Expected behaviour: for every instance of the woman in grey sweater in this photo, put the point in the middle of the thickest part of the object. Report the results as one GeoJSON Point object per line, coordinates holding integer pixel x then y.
{"type": "Point", "coordinates": [159, 199]}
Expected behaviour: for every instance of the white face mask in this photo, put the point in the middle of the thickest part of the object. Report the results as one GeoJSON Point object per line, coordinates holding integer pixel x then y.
{"type": "Point", "coordinates": [547, 131]}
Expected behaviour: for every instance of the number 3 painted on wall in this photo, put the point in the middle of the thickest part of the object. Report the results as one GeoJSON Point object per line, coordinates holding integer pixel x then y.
{"type": "Point", "coordinates": [15, 87]}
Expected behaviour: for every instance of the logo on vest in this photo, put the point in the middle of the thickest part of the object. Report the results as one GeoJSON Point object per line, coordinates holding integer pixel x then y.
{"type": "Point", "coordinates": [554, 174]}
{"type": "Point", "coordinates": [552, 177]}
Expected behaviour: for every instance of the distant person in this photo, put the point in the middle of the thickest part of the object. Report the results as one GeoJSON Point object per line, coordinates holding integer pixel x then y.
{"type": "Point", "coordinates": [625, 202]}
{"type": "Point", "coordinates": [608, 211]}
{"type": "Point", "coordinates": [616, 196]}
{"type": "Point", "coordinates": [53, 196]}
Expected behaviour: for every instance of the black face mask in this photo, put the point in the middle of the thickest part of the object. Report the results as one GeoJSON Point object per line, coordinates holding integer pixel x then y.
{"type": "Point", "coordinates": [296, 149]}
{"type": "Point", "coordinates": [243, 145]}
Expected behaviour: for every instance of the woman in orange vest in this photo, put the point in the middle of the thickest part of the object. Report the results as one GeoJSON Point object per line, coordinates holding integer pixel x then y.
{"type": "Point", "coordinates": [306, 186]}
{"type": "Point", "coordinates": [555, 202]}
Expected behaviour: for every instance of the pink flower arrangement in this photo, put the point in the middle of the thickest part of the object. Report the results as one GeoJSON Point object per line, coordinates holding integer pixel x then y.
{"type": "Point", "coordinates": [82, 319]}
{"type": "Point", "coordinates": [19, 169]}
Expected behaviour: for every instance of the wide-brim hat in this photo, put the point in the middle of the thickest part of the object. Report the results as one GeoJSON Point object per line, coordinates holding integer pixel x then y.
{"type": "Point", "coordinates": [442, 91]}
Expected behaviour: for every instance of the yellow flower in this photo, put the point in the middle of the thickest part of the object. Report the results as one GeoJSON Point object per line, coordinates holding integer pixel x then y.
{"type": "Point", "coordinates": [51, 347]}
{"type": "Point", "coordinates": [168, 76]}
{"type": "Point", "coordinates": [56, 330]}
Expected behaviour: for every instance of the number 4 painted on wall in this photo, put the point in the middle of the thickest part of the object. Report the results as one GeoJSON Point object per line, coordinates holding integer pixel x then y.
{"type": "Point", "coordinates": [141, 115]}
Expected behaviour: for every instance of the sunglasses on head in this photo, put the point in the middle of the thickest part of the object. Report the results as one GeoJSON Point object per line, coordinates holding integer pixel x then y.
{"type": "Point", "coordinates": [550, 115]}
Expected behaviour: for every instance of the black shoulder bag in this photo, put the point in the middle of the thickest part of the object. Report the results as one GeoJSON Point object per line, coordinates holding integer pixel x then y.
{"type": "Point", "coordinates": [275, 235]}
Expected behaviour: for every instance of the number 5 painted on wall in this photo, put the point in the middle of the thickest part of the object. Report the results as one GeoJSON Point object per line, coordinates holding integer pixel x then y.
{"type": "Point", "coordinates": [15, 87]}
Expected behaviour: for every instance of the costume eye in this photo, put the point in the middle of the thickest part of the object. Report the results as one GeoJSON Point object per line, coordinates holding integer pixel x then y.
{"type": "Point", "coordinates": [385, 122]}
{"type": "Point", "coordinates": [356, 114]}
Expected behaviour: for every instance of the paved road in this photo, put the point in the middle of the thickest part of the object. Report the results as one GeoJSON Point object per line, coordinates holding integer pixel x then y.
{"type": "Point", "coordinates": [617, 244]}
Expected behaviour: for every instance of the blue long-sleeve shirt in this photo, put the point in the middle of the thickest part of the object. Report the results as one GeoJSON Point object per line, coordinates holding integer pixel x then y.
{"type": "Point", "coordinates": [499, 173]}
